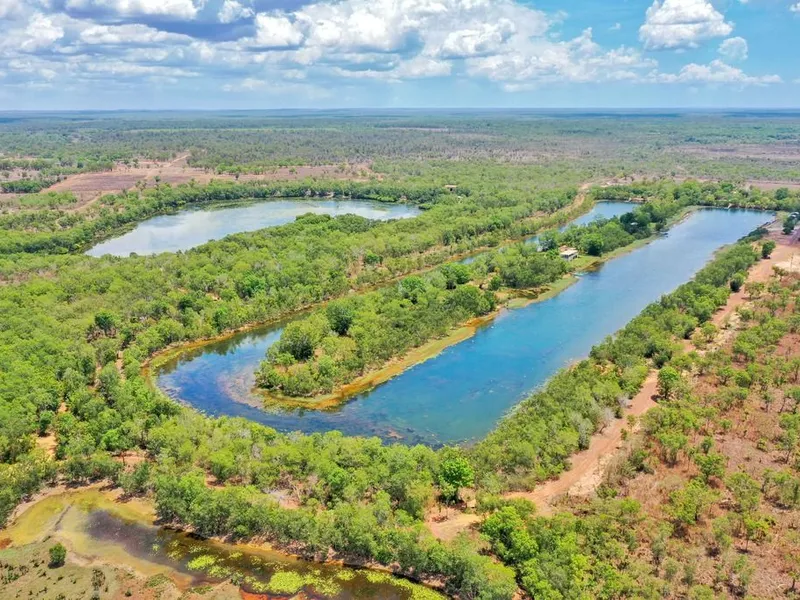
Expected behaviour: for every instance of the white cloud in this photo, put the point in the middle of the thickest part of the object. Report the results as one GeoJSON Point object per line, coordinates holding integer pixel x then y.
{"type": "Point", "coordinates": [674, 24]}
{"type": "Point", "coordinates": [276, 32]}
{"type": "Point", "coordinates": [795, 8]}
{"type": "Point", "coordinates": [11, 9]}
{"type": "Point", "coordinates": [615, 27]}
{"type": "Point", "coordinates": [177, 9]}
{"type": "Point", "coordinates": [366, 42]}
{"type": "Point", "coordinates": [716, 72]}
{"type": "Point", "coordinates": [130, 70]}
{"type": "Point", "coordinates": [232, 10]}
{"type": "Point", "coordinates": [734, 49]}
{"type": "Point", "coordinates": [42, 32]}
{"type": "Point", "coordinates": [132, 34]}
{"type": "Point", "coordinates": [577, 60]}
{"type": "Point", "coordinates": [486, 39]}
{"type": "Point", "coordinates": [424, 67]}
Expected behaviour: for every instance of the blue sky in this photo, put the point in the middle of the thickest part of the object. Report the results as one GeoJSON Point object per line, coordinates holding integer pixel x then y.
{"type": "Point", "coordinates": [160, 54]}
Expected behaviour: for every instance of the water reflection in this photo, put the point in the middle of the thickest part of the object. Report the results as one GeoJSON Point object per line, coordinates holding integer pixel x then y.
{"type": "Point", "coordinates": [195, 226]}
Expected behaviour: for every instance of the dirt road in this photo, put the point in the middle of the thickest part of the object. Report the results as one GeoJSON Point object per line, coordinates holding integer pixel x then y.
{"type": "Point", "coordinates": [588, 465]}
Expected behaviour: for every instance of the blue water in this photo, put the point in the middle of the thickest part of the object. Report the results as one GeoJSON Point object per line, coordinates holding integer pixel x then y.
{"type": "Point", "coordinates": [604, 210]}
{"type": "Point", "coordinates": [460, 394]}
{"type": "Point", "coordinates": [195, 226]}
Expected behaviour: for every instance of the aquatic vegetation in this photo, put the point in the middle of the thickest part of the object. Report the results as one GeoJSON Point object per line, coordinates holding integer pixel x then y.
{"type": "Point", "coordinates": [286, 582]}
{"type": "Point", "coordinates": [202, 563]}
{"type": "Point", "coordinates": [345, 574]}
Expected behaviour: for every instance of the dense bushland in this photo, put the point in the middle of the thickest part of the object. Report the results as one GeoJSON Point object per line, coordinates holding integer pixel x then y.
{"type": "Point", "coordinates": [69, 320]}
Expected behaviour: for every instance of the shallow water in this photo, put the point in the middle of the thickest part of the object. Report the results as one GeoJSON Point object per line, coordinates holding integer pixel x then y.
{"type": "Point", "coordinates": [195, 226]}
{"type": "Point", "coordinates": [97, 528]}
{"type": "Point", "coordinates": [460, 394]}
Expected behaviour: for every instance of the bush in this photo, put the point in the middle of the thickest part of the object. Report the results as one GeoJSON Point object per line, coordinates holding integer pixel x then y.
{"type": "Point", "coordinates": [58, 555]}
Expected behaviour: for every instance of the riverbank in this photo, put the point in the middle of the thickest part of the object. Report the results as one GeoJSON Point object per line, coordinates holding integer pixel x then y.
{"type": "Point", "coordinates": [582, 204]}
{"type": "Point", "coordinates": [587, 467]}
{"type": "Point", "coordinates": [101, 528]}
{"type": "Point", "coordinates": [514, 299]}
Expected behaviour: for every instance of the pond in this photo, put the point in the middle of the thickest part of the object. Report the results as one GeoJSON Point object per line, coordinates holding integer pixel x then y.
{"type": "Point", "coordinates": [195, 226]}
{"type": "Point", "coordinates": [460, 394]}
{"type": "Point", "coordinates": [98, 528]}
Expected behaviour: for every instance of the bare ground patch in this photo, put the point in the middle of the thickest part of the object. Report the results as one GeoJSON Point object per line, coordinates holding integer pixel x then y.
{"type": "Point", "coordinates": [89, 186]}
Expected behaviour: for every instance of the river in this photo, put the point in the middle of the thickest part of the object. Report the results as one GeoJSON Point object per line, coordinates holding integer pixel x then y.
{"type": "Point", "coordinates": [195, 226]}
{"type": "Point", "coordinates": [459, 395]}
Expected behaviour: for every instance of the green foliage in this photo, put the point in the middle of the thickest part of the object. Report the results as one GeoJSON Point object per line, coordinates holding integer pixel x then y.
{"type": "Point", "coordinates": [455, 473]}
{"type": "Point", "coordinates": [669, 380]}
{"type": "Point", "coordinates": [58, 555]}
{"type": "Point", "coordinates": [67, 319]}
{"type": "Point", "coordinates": [568, 556]}
{"type": "Point", "coordinates": [690, 503]}
{"type": "Point", "coordinates": [737, 281]}
{"type": "Point", "coordinates": [334, 345]}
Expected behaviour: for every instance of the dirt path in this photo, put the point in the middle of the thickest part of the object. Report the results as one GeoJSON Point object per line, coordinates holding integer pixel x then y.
{"type": "Point", "coordinates": [447, 524]}
{"type": "Point", "coordinates": [589, 465]}
{"type": "Point", "coordinates": [786, 256]}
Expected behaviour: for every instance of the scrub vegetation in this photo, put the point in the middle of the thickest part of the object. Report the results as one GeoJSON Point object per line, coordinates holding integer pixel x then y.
{"type": "Point", "coordinates": [704, 498]}
{"type": "Point", "coordinates": [76, 331]}
{"type": "Point", "coordinates": [334, 345]}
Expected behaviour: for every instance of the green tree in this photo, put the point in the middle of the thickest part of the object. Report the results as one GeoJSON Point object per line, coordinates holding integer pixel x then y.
{"type": "Point", "coordinates": [669, 379]}
{"type": "Point", "coordinates": [710, 465]}
{"type": "Point", "coordinates": [690, 503]}
{"type": "Point", "coordinates": [106, 322]}
{"type": "Point", "coordinates": [767, 248]}
{"type": "Point", "coordinates": [58, 555]}
{"type": "Point", "coordinates": [455, 473]}
{"type": "Point", "coordinates": [737, 281]}
{"type": "Point", "coordinates": [746, 491]}
{"type": "Point", "coordinates": [340, 315]}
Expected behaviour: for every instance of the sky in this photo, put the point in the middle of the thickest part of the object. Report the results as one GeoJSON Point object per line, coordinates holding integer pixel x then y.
{"type": "Point", "coordinates": [237, 54]}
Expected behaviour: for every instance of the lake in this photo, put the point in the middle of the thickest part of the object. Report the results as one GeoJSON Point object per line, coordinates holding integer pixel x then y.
{"type": "Point", "coordinates": [459, 395]}
{"type": "Point", "coordinates": [195, 226]}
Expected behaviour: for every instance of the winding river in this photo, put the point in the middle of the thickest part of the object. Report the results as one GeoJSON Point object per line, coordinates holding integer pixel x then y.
{"type": "Point", "coordinates": [459, 395]}
{"type": "Point", "coordinates": [195, 226]}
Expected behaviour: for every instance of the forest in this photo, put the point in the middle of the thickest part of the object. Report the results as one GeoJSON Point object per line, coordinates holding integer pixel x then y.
{"type": "Point", "coordinates": [77, 333]}
{"type": "Point", "coordinates": [333, 346]}
{"type": "Point", "coordinates": [723, 526]}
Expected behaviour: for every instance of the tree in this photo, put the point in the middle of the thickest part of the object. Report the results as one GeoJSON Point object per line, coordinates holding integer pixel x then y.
{"type": "Point", "coordinates": [340, 315]}
{"type": "Point", "coordinates": [691, 502]}
{"type": "Point", "coordinates": [668, 381]}
{"type": "Point", "coordinates": [454, 474]}
{"type": "Point", "coordinates": [593, 245]}
{"type": "Point", "coordinates": [746, 491]}
{"type": "Point", "coordinates": [58, 555]}
{"type": "Point", "coordinates": [767, 248]}
{"type": "Point", "coordinates": [711, 464]}
{"type": "Point", "coordinates": [737, 281]}
{"type": "Point", "coordinates": [106, 322]}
